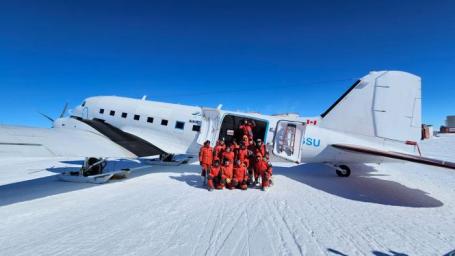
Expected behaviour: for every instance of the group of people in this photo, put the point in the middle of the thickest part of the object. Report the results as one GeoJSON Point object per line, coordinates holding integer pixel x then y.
{"type": "Point", "coordinates": [237, 165]}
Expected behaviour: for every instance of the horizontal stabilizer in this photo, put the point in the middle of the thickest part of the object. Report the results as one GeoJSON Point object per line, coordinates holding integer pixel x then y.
{"type": "Point", "coordinates": [396, 155]}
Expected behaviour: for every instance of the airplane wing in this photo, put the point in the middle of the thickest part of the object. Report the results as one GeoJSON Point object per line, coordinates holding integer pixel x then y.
{"type": "Point", "coordinates": [17, 141]}
{"type": "Point", "coordinates": [130, 141]}
{"type": "Point", "coordinates": [395, 155]}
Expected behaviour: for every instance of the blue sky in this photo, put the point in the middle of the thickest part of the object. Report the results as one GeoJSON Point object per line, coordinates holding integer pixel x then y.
{"type": "Point", "coordinates": [267, 56]}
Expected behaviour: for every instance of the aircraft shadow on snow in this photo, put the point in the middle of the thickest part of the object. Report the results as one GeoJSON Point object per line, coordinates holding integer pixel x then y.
{"type": "Point", "coordinates": [363, 184]}
{"type": "Point", "coordinates": [51, 185]}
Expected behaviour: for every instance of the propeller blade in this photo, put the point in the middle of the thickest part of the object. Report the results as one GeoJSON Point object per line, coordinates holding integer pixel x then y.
{"type": "Point", "coordinates": [64, 110]}
{"type": "Point", "coordinates": [46, 116]}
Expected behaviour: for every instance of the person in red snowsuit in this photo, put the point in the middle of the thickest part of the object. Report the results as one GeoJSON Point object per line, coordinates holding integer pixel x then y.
{"type": "Point", "coordinates": [218, 151]}
{"type": "Point", "coordinates": [251, 159]}
{"type": "Point", "coordinates": [205, 158]}
{"type": "Point", "coordinates": [257, 168]}
{"type": "Point", "coordinates": [214, 178]}
{"type": "Point", "coordinates": [235, 147]}
{"type": "Point", "coordinates": [247, 128]}
{"type": "Point", "coordinates": [228, 155]}
{"type": "Point", "coordinates": [264, 170]}
{"type": "Point", "coordinates": [240, 176]}
{"type": "Point", "coordinates": [260, 148]}
{"type": "Point", "coordinates": [267, 175]}
{"type": "Point", "coordinates": [227, 173]}
{"type": "Point", "coordinates": [242, 155]}
{"type": "Point", "coordinates": [245, 140]}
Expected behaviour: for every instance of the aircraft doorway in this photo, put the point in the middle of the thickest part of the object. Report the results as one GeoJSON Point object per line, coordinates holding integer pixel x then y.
{"type": "Point", "coordinates": [230, 131]}
{"type": "Point", "coordinates": [288, 140]}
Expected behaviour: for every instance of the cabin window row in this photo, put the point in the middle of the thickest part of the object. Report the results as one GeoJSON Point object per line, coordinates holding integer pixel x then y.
{"type": "Point", "coordinates": [178, 124]}
{"type": "Point", "coordinates": [125, 115]}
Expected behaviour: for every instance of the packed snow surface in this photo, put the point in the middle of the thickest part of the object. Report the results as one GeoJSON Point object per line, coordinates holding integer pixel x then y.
{"type": "Point", "coordinates": [391, 209]}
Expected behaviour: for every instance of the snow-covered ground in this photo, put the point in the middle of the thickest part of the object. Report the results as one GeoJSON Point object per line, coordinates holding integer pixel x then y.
{"type": "Point", "coordinates": [391, 209]}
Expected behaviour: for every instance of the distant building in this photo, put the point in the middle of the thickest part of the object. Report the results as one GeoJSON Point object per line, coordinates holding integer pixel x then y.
{"type": "Point", "coordinates": [427, 131]}
{"type": "Point", "coordinates": [450, 125]}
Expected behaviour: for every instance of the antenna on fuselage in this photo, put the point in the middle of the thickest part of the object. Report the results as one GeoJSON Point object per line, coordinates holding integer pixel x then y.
{"type": "Point", "coordinates": [219, 106]}
{"type": "Point", "coordinates": [144, 97]}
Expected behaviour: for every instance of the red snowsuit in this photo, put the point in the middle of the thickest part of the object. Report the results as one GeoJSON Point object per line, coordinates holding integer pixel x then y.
{"type": "Point", "coordinates": [263, 169]}
{"type": "Point", "coordinates": [247, 129]}
{"type": "Point", "coordinates": [260, 150]}
{"type": "Point", "coordinates": [218, 151]}
{"type": "Point", "coordinates": [205, 158]}
{"type": "Point", "coordinates": [227, 173]}
{"type": "Point", "coordinates": [228, 156]}
{"type": "Point", "coordinates": [214, 177]}
{"type": "Point", "coordinates": [242, 155]}
{"type": "Point", "coordinates": [234, 147]}
{"type": "Point", "coordinates": [266, 178]}
{"type": "Point", "coordinates": [240, 177]}
{"type": "Point", "coordinates": [251, 158]}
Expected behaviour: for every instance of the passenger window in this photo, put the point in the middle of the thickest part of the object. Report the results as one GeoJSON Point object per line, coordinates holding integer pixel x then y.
{"type": "Point", "coordinates": [112, 113]}
{"type": "Point", "coordinates": [164, 122]}
{"type": "Point", "coordinates": [137, 117]}
{"type": "Point", "coordinates": [101, 110]}
{"type": "Point", "coordinates": [196, 128]}
{"type": "Point", "coordinates": [124, 115]}
{"type": "Point", "coordinates": [149, 119]}
{"type": "Point", "coordinates": [179, 125]}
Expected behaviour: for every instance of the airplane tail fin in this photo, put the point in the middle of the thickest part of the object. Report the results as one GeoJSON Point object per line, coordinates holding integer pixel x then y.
{"type": "Point", "coordinates": [385, 104]}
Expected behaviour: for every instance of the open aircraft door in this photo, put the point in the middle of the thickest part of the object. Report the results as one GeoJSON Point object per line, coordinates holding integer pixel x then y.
{"type": "Point", "coordinates": [288, 140]}
{"type": "Point", "coordinates": [210, 126]}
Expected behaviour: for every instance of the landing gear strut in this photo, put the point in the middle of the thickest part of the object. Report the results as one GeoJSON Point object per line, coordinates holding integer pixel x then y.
{"type": "Point", "coordinates": [343, 171]}
{"type": "Point", "coordinates": [93, 166]}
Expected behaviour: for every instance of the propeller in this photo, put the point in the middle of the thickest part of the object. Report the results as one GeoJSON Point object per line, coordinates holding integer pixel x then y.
{"type": "Point", "coordinates": [65, 109]}
{"type": "Point", "coordinates": [46, 116]}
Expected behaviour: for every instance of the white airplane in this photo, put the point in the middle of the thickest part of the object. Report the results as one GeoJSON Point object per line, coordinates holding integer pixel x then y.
{"type": "Point", "coordinates": [378, 119]}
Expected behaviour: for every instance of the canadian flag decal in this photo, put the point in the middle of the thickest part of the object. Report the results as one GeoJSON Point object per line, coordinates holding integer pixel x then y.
{"type": "Point", "coordinates": [311, 122]}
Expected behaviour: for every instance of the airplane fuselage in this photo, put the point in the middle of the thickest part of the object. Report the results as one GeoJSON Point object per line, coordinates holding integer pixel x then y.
{"type": "Point", "coordinates": [181, 129]}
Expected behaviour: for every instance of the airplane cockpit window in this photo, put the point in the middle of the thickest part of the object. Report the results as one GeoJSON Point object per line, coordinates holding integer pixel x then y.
{"type": "Point", "coordinates": [137, 117]}
{"type": "Point", "coordinates": [112, 113]}
{"type": "Point", "coordinates": [101, 110]}
{"type": "Point", "coordinates": [179, 125]}
{"type": "Point", "coordinates": [124, 115]}
{"type": "Point", "coordinates": [83, 104]}
{"type": "Point", "coordinates": [164, 122]}
{"type": "Point", "coordinates": [149, 119]}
